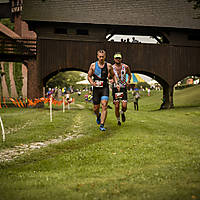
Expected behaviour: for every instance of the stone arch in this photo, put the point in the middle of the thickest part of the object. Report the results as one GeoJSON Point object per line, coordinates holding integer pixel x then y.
{"type": "Point", "coordinates": [154, 76]}
{"type": "Point", "coordinates": [167, 89]}
{"type": "Point", "coordinates": [182, 77]}
{"type": "Point", "coordinates": [45, 79]}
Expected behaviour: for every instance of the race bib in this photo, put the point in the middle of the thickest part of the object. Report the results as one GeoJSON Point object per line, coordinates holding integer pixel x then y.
{"type": "Point", "coordinates": [119, 95]}
{"type": "Point", "coordinates": [99, 83]}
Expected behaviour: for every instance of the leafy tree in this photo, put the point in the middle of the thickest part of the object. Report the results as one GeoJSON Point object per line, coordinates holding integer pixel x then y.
{"type": "Point", "coordinates": [143, 84]}
{"type": "Point", "coordinates": [17, 72]}
{"type": "Point", "coordinates": [65, 79]}
{"type": "Point", "coordinates": [7, 22]}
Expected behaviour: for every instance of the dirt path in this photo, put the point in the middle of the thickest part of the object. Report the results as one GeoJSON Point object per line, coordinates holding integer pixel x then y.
{"type": "Point", "coordinates": [7, 155]}
{"type": "Point", "coordinates": [10, 154]}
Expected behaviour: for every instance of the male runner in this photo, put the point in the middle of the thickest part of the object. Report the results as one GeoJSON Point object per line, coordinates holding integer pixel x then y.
{"type": "Point", "coordinates": [101, 71]}
{"type": "Point", "coordinates": [120, 70]}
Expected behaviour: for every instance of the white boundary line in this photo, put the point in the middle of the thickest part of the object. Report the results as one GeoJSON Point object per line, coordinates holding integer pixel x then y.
{"type": "Point", "coordinates": [3, 131]}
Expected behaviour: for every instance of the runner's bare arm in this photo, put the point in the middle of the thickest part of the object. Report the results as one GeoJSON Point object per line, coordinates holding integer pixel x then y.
{"type": "Point", "coordinates": [128, 71]}
{"type": "Point", "coordinates": [90, 74]}
{"type": "Point", "coordinates": [112, 74]}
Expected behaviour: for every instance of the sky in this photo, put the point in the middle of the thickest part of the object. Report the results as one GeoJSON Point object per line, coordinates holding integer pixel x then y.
{"type": "Point", "coordinates": [142, 39]}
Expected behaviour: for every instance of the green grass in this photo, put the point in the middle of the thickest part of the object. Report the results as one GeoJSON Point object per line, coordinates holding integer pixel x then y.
{"type": "Point", "coordinates": [154, 155]}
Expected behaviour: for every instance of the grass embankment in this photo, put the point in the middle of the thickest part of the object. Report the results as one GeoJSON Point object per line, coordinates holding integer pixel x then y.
{"type": "Point", "coordinates": [154, 155]}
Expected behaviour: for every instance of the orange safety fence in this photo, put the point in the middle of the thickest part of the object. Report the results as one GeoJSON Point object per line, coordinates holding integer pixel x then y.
{"type": "Point", "coordinates": [4, 102]}
{"type": "Point", "coordinates": [13, 101]}
{"type": "Point", "coordinates": [22, 103]}
{"type": "Point", "coordinates": [18, 103]}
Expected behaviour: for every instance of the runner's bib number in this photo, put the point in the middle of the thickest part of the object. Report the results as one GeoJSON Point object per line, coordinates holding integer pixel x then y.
{"type": "Point", "coordinates": [119, 95]}
{"type": "Point", "coordinates": [99, 83]}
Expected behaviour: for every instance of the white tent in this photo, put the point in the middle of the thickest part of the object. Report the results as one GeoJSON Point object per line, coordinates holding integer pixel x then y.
{"type": "Point", "coordinates": [84, 82]}
{"type": "Point", "coordinates": [152, 82]}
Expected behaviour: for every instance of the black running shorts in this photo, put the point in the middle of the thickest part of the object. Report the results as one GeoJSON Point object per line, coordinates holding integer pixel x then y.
{"type": "Point", "coordinates": [100, 94]}
{"type": "Point", "coordinates": [117, 94]}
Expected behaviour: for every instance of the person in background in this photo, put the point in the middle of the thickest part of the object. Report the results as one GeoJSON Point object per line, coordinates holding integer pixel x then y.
{"type": "Point", "coordinates": [79, 92]}
{"type": "Point", "coordinates": [67, 96]}
{"type": "Point", "coordinates": [136, 97]}
{"type": "Point", "coordinates": [86, 98]}
{"type": "Point", "coordinates": [90, 96]}
{"type": "Point", "coordinates": [149, 91]}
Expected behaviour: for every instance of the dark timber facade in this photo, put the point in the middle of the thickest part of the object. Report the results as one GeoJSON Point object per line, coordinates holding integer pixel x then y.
{"type": "Point", "coordinates": [70, 32]}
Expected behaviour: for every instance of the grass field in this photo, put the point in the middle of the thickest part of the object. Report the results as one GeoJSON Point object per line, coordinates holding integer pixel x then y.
{"type": "Point", "coordinates": [154, 155]}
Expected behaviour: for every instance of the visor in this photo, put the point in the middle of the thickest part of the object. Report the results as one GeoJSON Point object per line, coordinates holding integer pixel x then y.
{"type": "Point", "coordinates": [117, 55]}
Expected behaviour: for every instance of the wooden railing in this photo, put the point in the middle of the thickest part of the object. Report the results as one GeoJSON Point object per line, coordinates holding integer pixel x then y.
{"type": "Point", "coordinates": [21, 47]}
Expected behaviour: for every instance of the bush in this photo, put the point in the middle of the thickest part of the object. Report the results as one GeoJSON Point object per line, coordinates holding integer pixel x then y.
{"type": "Point", "coordinates": [180, 87]}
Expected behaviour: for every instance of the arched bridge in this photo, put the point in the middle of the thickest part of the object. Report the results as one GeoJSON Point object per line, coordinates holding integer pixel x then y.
{"type": "Point", "coordinates": [69, 33]}
{"type": "Point", "coordinates": [165, 63]}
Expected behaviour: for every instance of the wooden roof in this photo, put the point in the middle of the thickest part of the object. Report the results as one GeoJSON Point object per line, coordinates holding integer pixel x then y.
{"type": "Point", "coordinates": [4, 1]}
{"type": "Point", "coordinates": [156, 13]}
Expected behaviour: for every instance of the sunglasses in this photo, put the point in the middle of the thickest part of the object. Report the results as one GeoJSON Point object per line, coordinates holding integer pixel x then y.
{"type": "Point", "coordinates": [118, 58]}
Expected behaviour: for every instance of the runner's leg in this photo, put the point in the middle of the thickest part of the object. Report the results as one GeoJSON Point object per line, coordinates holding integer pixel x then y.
{"type": "Point", "coordinates": [96, 102]}
{"type": "Point", "coordinates": [135, 105]}
{"type": "Point", "coordinates": [96, 109]}
{"type": "Point", "coordinates": [124, 108]}
{"type": "Point", "coordinates": [117, 114]}
{"type": "Point", "coordinates": [104, 104]}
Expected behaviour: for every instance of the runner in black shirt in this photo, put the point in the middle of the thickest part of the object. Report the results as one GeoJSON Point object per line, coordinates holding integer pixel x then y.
{"type": "Point", "coordinates": [101, 71]}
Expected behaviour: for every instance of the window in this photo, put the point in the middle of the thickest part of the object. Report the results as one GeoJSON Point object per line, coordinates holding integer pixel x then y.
{"type": "Point", "coordinates": [60, 31]}
{"type": "Point", "coordinates": [194, 37]}
{"type": "Point", "coordinates": [82, 32]}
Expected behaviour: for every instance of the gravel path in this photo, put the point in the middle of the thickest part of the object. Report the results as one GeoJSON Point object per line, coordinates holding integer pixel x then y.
{"type": "Point", "coordinates": [7, 155]}
{"type": "Point", "coordinates": [10, 154]}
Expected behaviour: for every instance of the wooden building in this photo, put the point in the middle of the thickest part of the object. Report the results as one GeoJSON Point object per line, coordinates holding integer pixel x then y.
{"type": "Point", "coordinates": [70, 32]}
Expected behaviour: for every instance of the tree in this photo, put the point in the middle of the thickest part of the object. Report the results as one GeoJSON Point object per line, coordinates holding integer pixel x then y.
{"type": "Point", "coordinates": [7, 22]}
{"type": "Point", "coordinates": [143, 84]}
{"type": "Point", "coordinates": [65, 79]}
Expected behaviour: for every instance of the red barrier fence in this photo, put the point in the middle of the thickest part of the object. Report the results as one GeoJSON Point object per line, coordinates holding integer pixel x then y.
{"type": "Point", "coordinates": [25, 102]}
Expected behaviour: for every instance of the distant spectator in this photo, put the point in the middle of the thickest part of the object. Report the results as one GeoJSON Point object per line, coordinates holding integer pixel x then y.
{"type": "Point", "coordinates": [86, 98]}
{"type": "Point", "coordinates": [136, 97]}
{"type": "Point", "coordinates": [49, 93]}
{"type": "Point", "coordinates": [149, 92]}
{"type": "Point", "coordinates": [79, 93]}
{"type": "Point", "coordinates": [67, 96]}
{"type": "Point", "coordinates": [90, 97]}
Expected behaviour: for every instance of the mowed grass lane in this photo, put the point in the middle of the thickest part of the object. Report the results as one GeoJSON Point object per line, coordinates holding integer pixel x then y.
{"type": "Point", "coordinates": [154, 155]}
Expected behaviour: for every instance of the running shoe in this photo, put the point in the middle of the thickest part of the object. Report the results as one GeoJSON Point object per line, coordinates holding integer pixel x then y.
{"type": "Point", "coordinates": [119, 123]}
{"type": "Point", "coordinates": [123, 117]}
{"type": "Point", "coordinates": [102, 127]}
{"type": "Point", "coordinates": [98, 120]}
